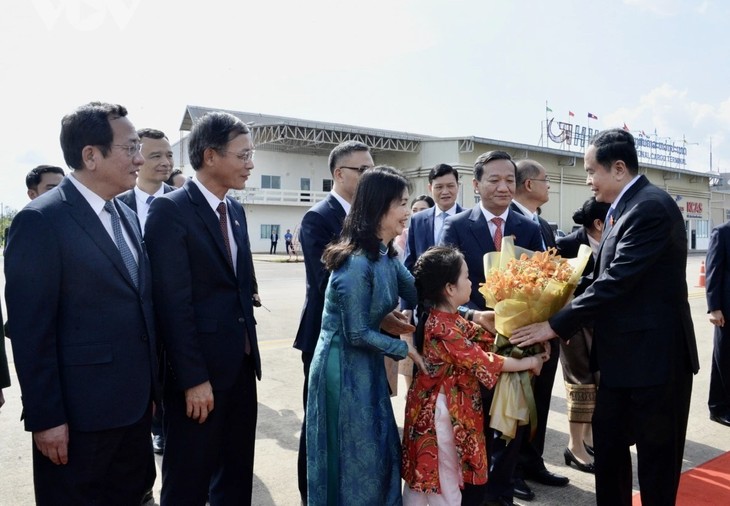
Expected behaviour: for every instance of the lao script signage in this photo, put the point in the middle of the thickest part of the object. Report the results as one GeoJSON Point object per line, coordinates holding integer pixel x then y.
{"type": "Point", "coordinates": [660, 153]}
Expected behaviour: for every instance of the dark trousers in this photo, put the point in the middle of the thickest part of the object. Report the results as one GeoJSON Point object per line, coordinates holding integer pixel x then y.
{"type": "Point", "coordinates": [272, 249]}
{"type": "Point", "coordinates": [289, 247]}
{"type": "Point", "coordinates": [215, 457]}
{"type": "Point", "coordinates": [105, 468]}
{"type": "Point", "coordinates": [302, 456]}
{"type": "Point", "coordinates": [530, 458]}
{"type": "Point", "coordinates": [503, 458]}
{"type": "Point", "coordinates": [653, 418]}
{"type": "Point", "coordinates": [719, 399]}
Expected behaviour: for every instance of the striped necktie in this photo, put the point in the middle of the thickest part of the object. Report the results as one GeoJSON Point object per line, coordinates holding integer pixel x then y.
{"type": "Point", "coordinates": [127, 256]}
{"type": "Point", "coordinates": [497, 233]}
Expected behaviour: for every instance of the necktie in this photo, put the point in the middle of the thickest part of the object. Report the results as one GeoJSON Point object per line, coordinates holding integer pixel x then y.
{"type": "Point", "coordinates": [497, 233]}
{"type": "Point", "coordinates": [150, 199]}
{"type": "Point", "coordinates": [439, 227]}
{"type": "Point", "coordinates": [224, 229]}
{"type": "Point", "coordinates": [127, 256]}
{"type": "Point", "coordinates": [608, 222]}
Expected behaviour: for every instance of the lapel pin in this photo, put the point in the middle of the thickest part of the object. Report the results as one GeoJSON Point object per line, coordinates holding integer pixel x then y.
{"type": "Point", "coordinates": [236, 223]}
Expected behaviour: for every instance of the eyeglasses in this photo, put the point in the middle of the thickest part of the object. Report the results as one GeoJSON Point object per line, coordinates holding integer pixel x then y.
{"type": "Point", "coordinates": [359, 169]}
{"type": "Point", "coordinates": [131, 149]}
{"type": "Point", "coordinates": [244, 156]}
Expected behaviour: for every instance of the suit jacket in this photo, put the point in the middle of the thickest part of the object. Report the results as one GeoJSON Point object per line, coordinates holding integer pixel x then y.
{"type": "Point", "coordinates": [638, 298]}
{"type": "Point", "coordinates": [321, 225]}
{"type": "Point", "coordinates": [718, 272]}
{"type": "Point", "coordinates": [568, 248]}
{"type": "Point", "coordinates": [546, 231]}
{"type": "Point", "coordinates": [83, 335]}
{"type": "Point", "coordinates": [420, 235]}
{"type": "Point", "coordinates": [204, 310]}
{"type": "Point", "coordinates": [130, 199]}
{"type": "Point", "coordinates": [469, 232]}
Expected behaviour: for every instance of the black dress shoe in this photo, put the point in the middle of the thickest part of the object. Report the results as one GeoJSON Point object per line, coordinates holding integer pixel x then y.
{"type": "Point", "coordinates": [547, 478]}
{"type": "Point", "coordinates": [589, 449]}
{"type": "Point", "coordinates": [586, 468]}
{"type": "Point", "coordinates": [723, 419]}
{"type": "Point", "coordinates": [158, 444]}
{"type": "Point", "coordinates": [522, 491]}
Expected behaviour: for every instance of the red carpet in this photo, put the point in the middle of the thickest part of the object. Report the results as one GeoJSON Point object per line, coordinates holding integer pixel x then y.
{"type": "Point", "coordinates": [706, 484]}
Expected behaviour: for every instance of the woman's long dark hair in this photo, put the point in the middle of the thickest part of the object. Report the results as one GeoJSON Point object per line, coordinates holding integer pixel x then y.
{"type": "Point", "coordinates": [379, 187]}
{"type": "Point", "coordinates": [437, 267]}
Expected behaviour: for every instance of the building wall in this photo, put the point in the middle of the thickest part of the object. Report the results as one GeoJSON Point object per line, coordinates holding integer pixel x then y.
{"type": "Point", "coordinates": [285, 207]}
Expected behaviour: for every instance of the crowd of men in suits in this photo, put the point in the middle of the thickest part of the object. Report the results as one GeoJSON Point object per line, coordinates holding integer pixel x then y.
{"type": "Point", "coordinates": [124, 296]}
{"type": "Point", "coordinates": [106, 324]}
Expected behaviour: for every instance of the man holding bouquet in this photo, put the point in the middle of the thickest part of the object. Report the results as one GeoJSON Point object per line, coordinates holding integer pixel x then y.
{"type": "Point", "coordinates": [476, 232]}
{"type": "Point", "coordinates": [644, 342]}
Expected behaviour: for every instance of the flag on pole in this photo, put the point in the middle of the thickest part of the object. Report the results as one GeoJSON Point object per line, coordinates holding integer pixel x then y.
{"type": "Point", "coordinates": [547, 109]}
{"type": "Point", "coordinates": [592, 116]}
{"type": "Point", "coordinates": [626, 128]}
{"type": "Point", "coordinates": [571, 113]}
{"type": "Point", "coordinates": [643, 134]}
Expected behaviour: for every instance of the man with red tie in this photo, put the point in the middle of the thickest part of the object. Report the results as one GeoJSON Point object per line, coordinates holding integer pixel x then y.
{"type": "Point", "coordinates": [203, 294]}
{"type": "Point", "coordinates": [476, 232]}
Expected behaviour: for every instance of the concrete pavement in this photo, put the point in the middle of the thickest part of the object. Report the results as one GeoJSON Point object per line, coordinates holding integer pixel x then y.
{"type": "Point", "coordinates": [280, 405]}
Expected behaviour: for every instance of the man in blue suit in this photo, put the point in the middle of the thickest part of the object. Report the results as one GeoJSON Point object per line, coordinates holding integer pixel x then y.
{"type": "Point", "coordinates": [475, 232]}
{"type": "Point", "coordinates": [426, 226]}
{"type": "Point", "coordinates": [321, 225]}
{"type": "Point", "coordinates": [78, 293]}
{"type": "Point", "coordinates": [203, 294]}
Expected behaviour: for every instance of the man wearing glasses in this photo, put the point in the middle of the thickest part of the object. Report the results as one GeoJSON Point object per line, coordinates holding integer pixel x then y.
{"type": "Point", "coordinates": [532, 190]}
{"type": "Point", "coordinates": [320, 225]}
{"type": "Point", "coordinates": [78, 294]}
{"type": "Point", "coordinates": [201, 262]}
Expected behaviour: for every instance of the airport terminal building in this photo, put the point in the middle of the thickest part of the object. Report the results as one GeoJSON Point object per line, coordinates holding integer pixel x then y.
{"type": "Point", "coordinates": [291, 172]}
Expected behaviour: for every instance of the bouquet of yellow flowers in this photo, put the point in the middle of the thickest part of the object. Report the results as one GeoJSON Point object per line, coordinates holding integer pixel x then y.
{"type": "Point", "coordinates": [524, 287]}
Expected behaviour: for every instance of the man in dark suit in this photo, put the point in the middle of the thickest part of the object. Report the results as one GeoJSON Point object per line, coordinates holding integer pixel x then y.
{"type": "Point", "coordinates": [643, 339]}
{"type": "Point", "coordinates": [321, 225]}
{"type": "Point", "coordinates": [533, 191]}
{"type": "Point", "coordinates": [718, 305]}
{"type": "Point", "coordinates": [156, 168]}
{"type": "Point", "coordinates": [152, 175]}
{"type": "Point", "coordinates": [475, 232]}
{"type": "Point", "coordinates": [425, 228]}
{"type": "Point", "coordinates": [201, 264]}
{"type": "Point", "coordinates": [78, 292]}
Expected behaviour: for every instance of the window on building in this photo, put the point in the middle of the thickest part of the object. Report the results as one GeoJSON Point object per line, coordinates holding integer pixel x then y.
{"type": "Point", "coordinates": [305, 187]}
{"type": "Point", "coordinates": [271, 182]}
{"type": "Point", "coordinates": [267, 230]}
{"type": "Point", "coordinates": [326, 185]}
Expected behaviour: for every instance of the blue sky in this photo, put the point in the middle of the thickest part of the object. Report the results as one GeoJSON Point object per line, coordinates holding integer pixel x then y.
{"type": "Point", "coordinates": [462, 67]}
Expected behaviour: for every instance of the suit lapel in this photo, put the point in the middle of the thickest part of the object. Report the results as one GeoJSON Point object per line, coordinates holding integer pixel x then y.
{"type": "Point", "coordinates": [90, 223]}
{"type": "Point", "coordinates": [480, 229]}
{"type": "Point", "coordinates": [430, 220]}
{"type": "Point", "coordinates": [209, 219]}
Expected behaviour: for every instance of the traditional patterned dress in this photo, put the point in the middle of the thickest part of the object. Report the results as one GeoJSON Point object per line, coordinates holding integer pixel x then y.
{"type": "Point", "coordinates": [456, 351]}
{"type": "Point", "coordinates": [353, 447]}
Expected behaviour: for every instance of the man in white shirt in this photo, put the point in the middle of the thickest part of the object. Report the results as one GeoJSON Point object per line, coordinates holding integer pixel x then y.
{"type": "Point", "coordinates": [157, 167]}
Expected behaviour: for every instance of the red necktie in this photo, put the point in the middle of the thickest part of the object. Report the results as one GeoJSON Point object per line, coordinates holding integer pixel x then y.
{"type": "Point", "coordinates": [497, 233]}
{"type": "Point", "coordinates": [224, 229]}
